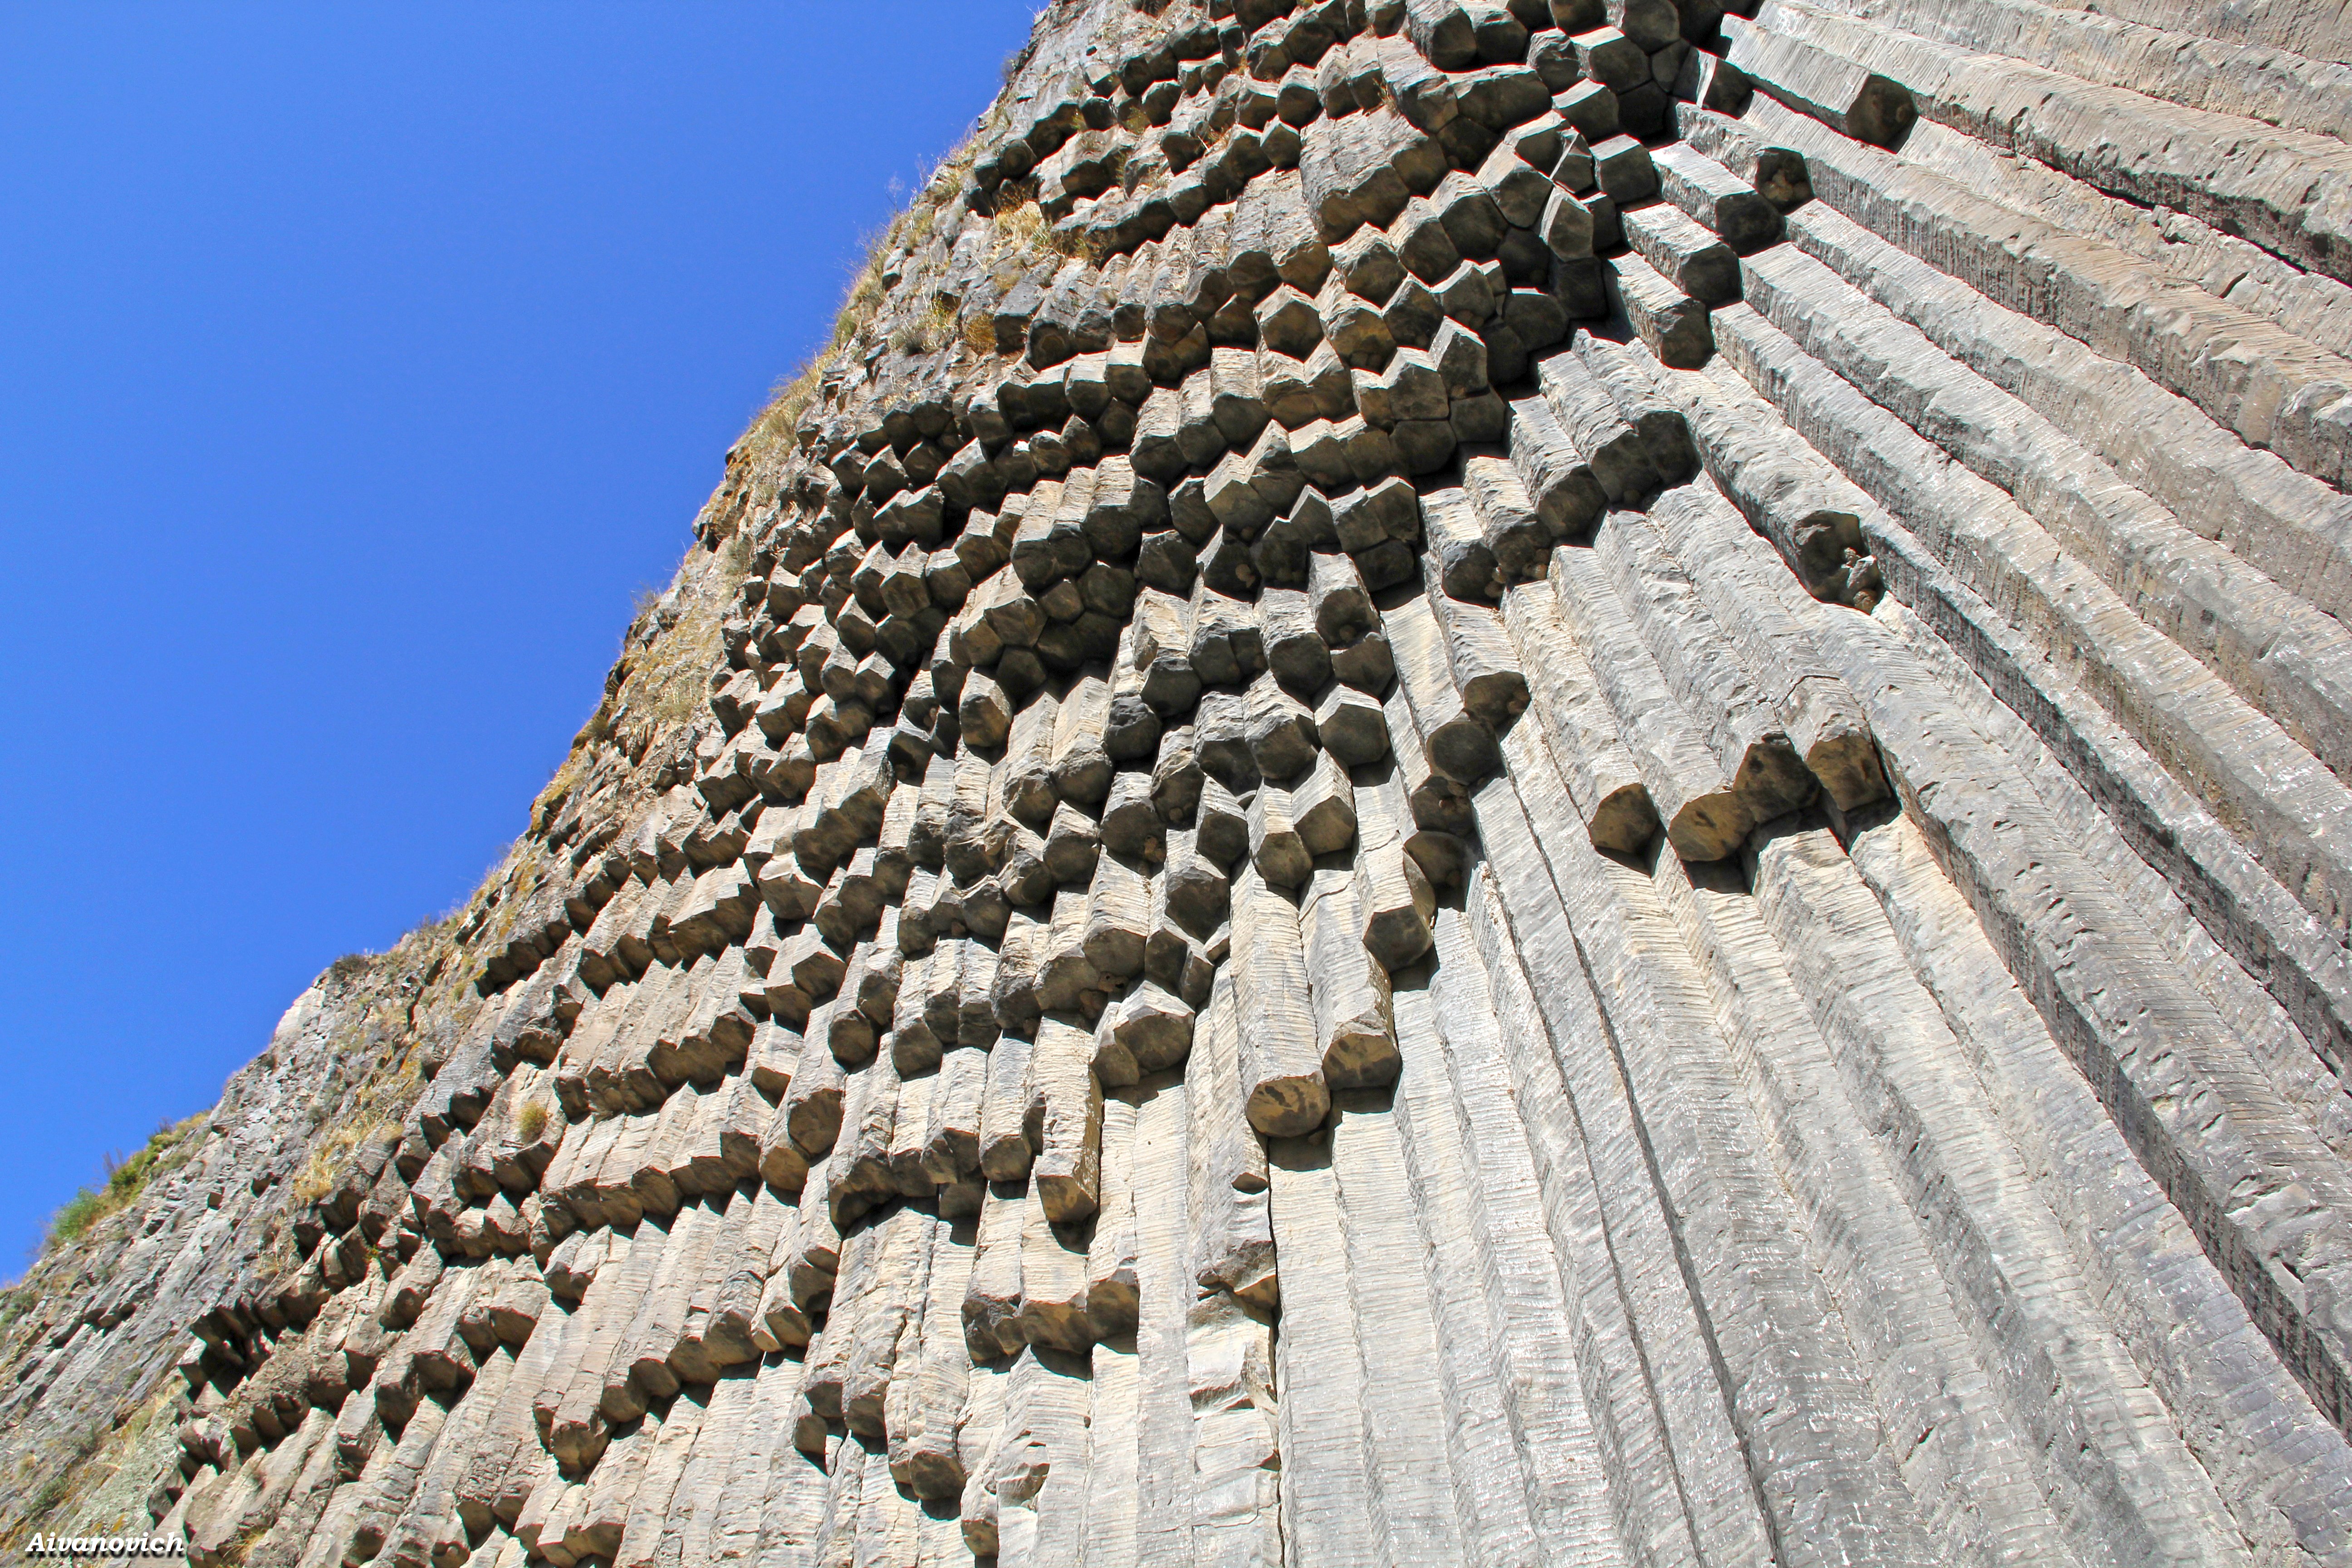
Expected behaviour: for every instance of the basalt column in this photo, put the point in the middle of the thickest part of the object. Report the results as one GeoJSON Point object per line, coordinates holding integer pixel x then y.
{"type": "Point", "coordinates": [1493, 784]}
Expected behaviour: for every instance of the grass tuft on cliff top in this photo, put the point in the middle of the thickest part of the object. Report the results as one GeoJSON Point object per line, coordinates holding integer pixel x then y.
{"type": "Point", "coordinates": [940, 185]}
{"type": "Point", "coordinates": [125, 1179]}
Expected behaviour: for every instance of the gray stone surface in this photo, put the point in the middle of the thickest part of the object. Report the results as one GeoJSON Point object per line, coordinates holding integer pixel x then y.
{"type": "Point", "coordinates": [1570, 791]}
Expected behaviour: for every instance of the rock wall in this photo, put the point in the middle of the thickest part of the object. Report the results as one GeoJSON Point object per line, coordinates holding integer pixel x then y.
{"type": "Point", "coordinates": [1553, 781]}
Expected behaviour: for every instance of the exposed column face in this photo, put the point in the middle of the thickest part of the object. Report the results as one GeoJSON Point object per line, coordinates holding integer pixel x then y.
{"type": "Point", "coordinates": [1485, 780]}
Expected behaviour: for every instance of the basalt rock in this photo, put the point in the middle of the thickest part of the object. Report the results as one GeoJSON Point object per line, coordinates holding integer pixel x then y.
{"type": "Point", "coordinates": [1571, 788]}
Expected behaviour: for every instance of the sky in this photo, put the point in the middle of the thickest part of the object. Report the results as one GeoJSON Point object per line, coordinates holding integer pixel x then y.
{"type": "Point", "coordinates": [357, 365]}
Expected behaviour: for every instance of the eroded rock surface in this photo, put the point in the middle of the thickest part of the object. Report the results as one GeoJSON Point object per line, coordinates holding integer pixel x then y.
{"type": "Point", "coordinates": [1495, 783]}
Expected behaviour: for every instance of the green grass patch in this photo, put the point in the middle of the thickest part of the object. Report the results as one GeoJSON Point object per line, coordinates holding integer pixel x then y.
{"type": "Point", "coordinates": [126, 1178]}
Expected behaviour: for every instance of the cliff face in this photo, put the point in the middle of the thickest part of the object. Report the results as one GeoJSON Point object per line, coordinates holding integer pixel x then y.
{"type": "Point", "coordinates": [1479, 782]}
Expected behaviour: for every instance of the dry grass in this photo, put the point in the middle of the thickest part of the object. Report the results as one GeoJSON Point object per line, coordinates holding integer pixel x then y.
{"type": "Point", "coordinates": [791, 396]}
{"type": "Point", "coordinates": [522, 869]}
{"type": "Point", "coordinates": [248, 1538]}
{"type": "Point", "coordinates": [378, 1029]}
{"type": "Point", "coordinates": [667, 684]}
{"type": "Point", "coordinates": [1022, 233]}
{"type": "Point", "coordinates": [530, 1121]}
{"type": "Point", "coordinates": [935, 328]}
{"type": "Point", "coordinates": [165, 1151]}
{"type": "Point", "coordinates": [1018, 60]}
{"type": "Point", "coordinates": [329, 1159]}
{"type": "Point", "coordinates": [660, 680]}
{"type": "Point", "coordinates": [1020, 223]}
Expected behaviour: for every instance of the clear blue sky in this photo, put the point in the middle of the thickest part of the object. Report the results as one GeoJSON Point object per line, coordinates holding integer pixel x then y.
{"type": "Point", "coordinates": [357, 364]}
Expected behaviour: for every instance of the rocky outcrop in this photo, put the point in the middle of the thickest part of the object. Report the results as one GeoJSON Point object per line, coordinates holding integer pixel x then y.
{"type": "Point", "coordinates": [106, 1339]}
{"type": "Point", "coordinates": [1488, 782]}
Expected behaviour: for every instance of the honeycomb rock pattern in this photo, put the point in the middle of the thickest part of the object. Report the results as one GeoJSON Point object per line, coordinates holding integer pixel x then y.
{"type": "Point", "coordinates": [1540, 781]}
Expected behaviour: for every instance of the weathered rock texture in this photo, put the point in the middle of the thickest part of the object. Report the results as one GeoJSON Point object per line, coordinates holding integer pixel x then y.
{"type": "Point", "coordinates": [1491, 784]}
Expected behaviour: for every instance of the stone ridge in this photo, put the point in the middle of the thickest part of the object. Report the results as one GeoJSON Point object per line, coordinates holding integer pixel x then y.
{"type": "Point", "coordinates": [1490, 783]}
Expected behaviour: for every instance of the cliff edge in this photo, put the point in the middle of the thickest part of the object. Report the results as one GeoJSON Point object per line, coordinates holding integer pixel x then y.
{"type": "Point", "coordinates": [1476, 782]}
